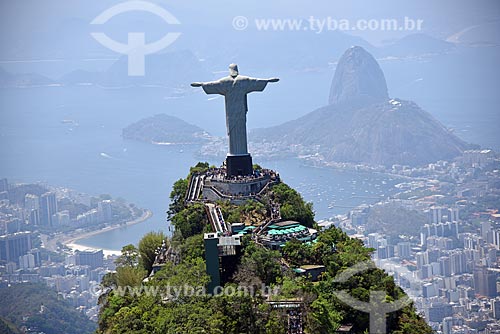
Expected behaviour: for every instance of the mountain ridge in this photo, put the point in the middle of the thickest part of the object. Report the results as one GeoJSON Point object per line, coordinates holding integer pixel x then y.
{"type": "Point", "coordinates": [362, 125]}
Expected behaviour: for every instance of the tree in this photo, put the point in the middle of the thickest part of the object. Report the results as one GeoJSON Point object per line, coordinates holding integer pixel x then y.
{"type": "Point", "coordinates": [129, 257]}
{"type": "Point", "coordinates": [187, 273]}
{"type": "Point", "coordinates": [323, 318]}
{"type": "Point", "coordinates": [148, 247]}
{"type": "Point", "coordinates": [191, 220]}
{"type": "Point", "coordinates": [259, 262]}
{"type": "Point", "coordinates": [293, 206]}
{"type": "Point", "coordinates": [251, 212]}
{"type": "Point", "coordinates": [180, 188]}
{"type": "Point", "coordinates": [129, 276]}
{"type": "Point", "coordinates": [193, 248]}
{"type": "Point", "coordinates": [201, 167]}
{"type": "Point", "coordinates": [297, 253]}
{"type": "Point", "coordinates": [177, 196]}
{"type": "Point", "coordinates": [411, 323]}
{"type": "Point", "coordinates": [277, 323]}
{"type": "Point", "coordinates": [109, 280]}
{"type": "Point", "coordinates": [256, 167]}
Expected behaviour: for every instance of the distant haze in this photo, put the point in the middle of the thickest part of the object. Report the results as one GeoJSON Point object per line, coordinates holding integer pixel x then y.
{"type": "Point", "coordinates": [449, 68]}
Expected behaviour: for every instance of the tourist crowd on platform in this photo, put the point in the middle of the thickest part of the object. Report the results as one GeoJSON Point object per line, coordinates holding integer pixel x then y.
{"type": "Point", "coordinates": [220, 175]}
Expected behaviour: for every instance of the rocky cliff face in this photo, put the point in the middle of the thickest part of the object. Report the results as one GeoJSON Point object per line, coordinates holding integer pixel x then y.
{"type": "Point", "coordinates": [363, 125]}
{"type": "Point", "coordinates": [358, 78]}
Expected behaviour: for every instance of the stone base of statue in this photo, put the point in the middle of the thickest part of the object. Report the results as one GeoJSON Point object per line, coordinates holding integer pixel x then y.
{"type": "Point", "coordinates": [239, 165]}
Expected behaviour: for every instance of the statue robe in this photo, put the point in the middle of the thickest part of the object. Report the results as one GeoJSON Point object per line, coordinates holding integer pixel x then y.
{"type": "Point", "coordinates": [235, 91]}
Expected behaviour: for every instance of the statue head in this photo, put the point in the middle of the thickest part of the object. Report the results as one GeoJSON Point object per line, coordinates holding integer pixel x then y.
{"type": "Point", "coordinates": [233, 70]}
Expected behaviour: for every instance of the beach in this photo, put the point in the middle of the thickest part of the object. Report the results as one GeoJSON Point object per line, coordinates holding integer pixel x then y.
{"type": "Point", "coordinates": [71, 240]}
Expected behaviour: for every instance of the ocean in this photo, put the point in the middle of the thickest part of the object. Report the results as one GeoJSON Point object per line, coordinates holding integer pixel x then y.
{"type": "Point", "coordinates": [71, 137]}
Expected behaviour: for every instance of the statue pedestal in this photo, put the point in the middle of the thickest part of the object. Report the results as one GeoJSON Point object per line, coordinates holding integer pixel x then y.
{"type": "Point", "coordinates": [239, 165]}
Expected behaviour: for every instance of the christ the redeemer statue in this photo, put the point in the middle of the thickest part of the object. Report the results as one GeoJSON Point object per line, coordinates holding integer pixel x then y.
{"type": "Point", "coordinates": [235, 88]}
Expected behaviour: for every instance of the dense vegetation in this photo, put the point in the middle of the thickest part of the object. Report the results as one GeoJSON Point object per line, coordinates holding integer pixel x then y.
{"type": "Point", "coordinates": [293, 206]}
{"type": "Point", "coordinates": [174, 300]}
{"type": "Point", "coordinates": [22, 305]}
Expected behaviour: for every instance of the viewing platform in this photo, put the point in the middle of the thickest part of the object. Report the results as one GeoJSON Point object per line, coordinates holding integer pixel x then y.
{"type": "Point", "coordinates": [215, 185]}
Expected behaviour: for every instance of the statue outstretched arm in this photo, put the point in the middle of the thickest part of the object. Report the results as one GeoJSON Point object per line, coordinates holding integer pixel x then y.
{"type": "Point", "coordinates": [273, 80]}
{"type": "Point", "coordinates": [211, 87]}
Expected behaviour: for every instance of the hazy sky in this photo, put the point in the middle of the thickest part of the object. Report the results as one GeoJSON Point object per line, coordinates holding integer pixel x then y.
{"type": "Point", "coordinates": [19, 19]}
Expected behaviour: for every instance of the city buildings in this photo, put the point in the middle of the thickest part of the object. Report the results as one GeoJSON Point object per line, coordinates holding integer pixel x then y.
{"type": "Point", "coordinates": [48, 207]}
{"type": "Point", "coordinates": [451, 267]}
{"type": "Point", "coordinates": [91, 258]}
{"type": "Point", "coordinates": [36, 209]}
{"type": "Point", "coordinates": [14, 245]}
